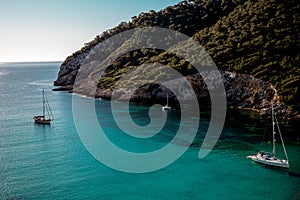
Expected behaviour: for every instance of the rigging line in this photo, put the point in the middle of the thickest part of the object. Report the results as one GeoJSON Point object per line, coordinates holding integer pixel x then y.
{"type": "Point", "coordinates": [43, 96]}
{"type": "Point", "coordinates": [273, 129]}
{"type": "Point", "coordinates": [49, 108]}
{"type": "Point", "coordinates": [48, 112]}
{"type": "Point", "coordinates": [265, 132]}
{"type": "Point", "coordinates": [281, 138]}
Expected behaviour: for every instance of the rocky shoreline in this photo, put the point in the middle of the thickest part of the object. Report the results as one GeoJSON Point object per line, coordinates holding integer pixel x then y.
{"type": "Point", "coordinates": [63, 88]}
{"type": "Point", "coordinates": [242, 91]}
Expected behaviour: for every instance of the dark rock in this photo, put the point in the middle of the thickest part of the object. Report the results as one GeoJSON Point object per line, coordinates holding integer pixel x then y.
{"type": "Point", "coordinates": [64, 88]}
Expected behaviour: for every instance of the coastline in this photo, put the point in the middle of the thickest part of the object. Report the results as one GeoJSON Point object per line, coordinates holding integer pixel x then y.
{"type": "Point", "coordinates": [243, 91]}
{"type": "Point", "coordinates": [285, 114]}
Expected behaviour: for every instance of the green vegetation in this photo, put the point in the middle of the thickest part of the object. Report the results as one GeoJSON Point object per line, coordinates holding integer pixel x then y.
{"type": "Point", "coordinates": [187, 17]}
{"type": "Point", "coordinates": [257, 37]}
{"type": "Point", "coordinates": [260, 38]}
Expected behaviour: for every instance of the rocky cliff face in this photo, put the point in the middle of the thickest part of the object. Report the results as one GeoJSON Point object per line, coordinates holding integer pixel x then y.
{"type": "Point", "coordinates": [242, 91]}
{"type": "Point", "coordinates": [68, 70]}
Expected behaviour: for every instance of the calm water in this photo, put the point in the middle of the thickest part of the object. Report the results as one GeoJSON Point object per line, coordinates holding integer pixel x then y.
{"type": "Point", "coordinates": [50, 162]}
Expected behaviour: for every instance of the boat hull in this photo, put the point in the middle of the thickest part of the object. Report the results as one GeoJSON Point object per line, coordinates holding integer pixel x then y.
{"type": "Point", "coordinates": [166, 108]}
{"type": "Point", "coordinates": [276, 162]}
{"type": "Point", "coordinates": [41, 120]}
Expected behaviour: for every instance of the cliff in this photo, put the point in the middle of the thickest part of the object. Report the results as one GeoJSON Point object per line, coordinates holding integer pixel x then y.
{"type": "Point", "coordinates": [260, 38]}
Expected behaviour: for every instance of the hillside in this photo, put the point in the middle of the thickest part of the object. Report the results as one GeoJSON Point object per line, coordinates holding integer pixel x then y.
{"type": "Point", "coordinates": [187, 17]}
{"type": "Point", "coordinates": [260, 38]}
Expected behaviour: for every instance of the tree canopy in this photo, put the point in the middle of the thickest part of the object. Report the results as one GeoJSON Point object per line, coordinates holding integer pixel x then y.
{"type": "Point", "coordinates": [256, 37]}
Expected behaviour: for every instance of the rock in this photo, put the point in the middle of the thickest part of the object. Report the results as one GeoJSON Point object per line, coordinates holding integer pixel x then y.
{"type": "Point", "coordinates": [69, 68]}
{"type": "Point", "coordinates": [242, 90]}
{"type": "Point", "coordinates": [64, 88]}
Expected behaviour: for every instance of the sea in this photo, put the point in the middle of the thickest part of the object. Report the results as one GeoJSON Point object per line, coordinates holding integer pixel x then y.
{"type": "Point", "coordinates": [52, 161]}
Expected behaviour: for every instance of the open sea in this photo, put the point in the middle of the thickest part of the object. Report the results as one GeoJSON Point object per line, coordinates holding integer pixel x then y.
{"type": "Point", "coordinates": [51, 162]}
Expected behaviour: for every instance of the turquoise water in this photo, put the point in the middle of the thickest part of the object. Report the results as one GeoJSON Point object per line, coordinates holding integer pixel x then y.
{"type": "Point", "coordinates": [50, 162]}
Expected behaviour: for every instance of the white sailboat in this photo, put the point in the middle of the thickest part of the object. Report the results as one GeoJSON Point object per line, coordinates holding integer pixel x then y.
{"type": "Point", "coordinates": [167, 107]}
{"type": "Point", "coordinates": [270, 158]}
{"type": "Point", "coordinates": [42, 119]}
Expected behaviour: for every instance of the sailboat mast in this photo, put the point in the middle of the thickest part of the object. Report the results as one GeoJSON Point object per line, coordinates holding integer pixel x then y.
{"type": "Point", "coordinates": [43, 104]}
{"type": "Point", "coordinates": [167, 99]}
{"type": "Point", "coordinates": [273, 128]}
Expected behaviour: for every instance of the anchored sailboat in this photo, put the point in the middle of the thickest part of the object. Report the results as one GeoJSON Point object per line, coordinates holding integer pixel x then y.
{"type": "Point", "coordinates": [270, 158]}
{"type": "Point", "coordinates": [43, 119]}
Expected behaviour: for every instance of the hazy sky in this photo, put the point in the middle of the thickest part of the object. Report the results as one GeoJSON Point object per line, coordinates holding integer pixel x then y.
{"type": "Point", "coordinates": [50, 30]}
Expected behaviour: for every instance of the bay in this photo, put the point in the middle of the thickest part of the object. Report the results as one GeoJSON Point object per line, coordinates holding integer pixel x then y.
{"type": "Point", "coordinates": [51, 162]}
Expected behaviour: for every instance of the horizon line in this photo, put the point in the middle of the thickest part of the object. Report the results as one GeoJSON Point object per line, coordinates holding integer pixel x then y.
{"type": "Point", "coordinates": [31, 61]}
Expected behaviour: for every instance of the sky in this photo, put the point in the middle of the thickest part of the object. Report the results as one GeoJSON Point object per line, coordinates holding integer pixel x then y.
{"type": "Point", "coordinates": [51, 30]}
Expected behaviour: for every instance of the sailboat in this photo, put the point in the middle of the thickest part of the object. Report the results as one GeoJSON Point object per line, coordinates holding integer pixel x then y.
{"type": "Point", "coordinates": [167, 107]}
{"type": "Point", "coordinates": [270, 158]}
{"type": "Point", "coordinates": [42, 119]}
